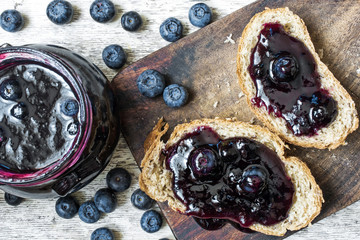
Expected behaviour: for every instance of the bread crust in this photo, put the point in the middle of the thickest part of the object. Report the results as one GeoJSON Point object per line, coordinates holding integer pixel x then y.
{"type": "Point", "coordinates": [157, 181]}
{"type": "Point", "coordinates": [346, 121]}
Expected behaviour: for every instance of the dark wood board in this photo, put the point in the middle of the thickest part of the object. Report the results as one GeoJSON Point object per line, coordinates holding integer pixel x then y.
{"type": "Point", "coordinates": [206, 66]}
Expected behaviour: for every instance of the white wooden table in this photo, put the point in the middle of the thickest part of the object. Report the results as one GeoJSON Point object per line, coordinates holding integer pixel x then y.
{"type": "Point", "coordinates": [36, 219]}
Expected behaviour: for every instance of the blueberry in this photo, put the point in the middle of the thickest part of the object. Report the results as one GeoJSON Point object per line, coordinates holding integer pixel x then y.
{"type": "Point", "coordinates": [254, 178]}
{"type": "Point", "coordinates": [19, 111]}
{"type": "Point", "coordinates": [11, 20]}
{"type": "Point", "coordinates": [200, 15]}
{"type": "Point", "coordinates": [131, 21]}
{"type": "Point", "coordinates": [151, 221]}
{"type": "Point", "coordinates": [59, 12]}
{"type": "Point", "coordinates": [151, 83]}
{"type": "Point", "coordinates": [10, 89]}
{"type": "Point", "coordinates": [105, 200]}
{"type": "Point", "coordinates": [318, 114]}
{"type": "Point", "coordinates": [140, 200]}
{"type": "Point", "coordinates": [283, 68]}
{"type": "Point", "coordinates": [66, 207]}
{"type": "Point", "coordinates": [175, 95]}
{"type": "Point", "coordinates": [102, 234]}
{"type": "Point", "coordinates": [88, 212]}
{"type": "Point", "coordinates": [102, 11]}
{"type": "Point", "coordinates": [70, 107]}
{"type": "Point", "coordinates": [118, 179]}
{"type": "Point", "coordinates": [171, 30]}
{"type": "Point", "coordinates": [114, 56]}
{"type": "Point", "coordinates": [73, 128]}
{"type": "Point", "coordinates": [204, 162]}
{"type": "Point", "coordinates": [228, 151]}
{"type": "Point", "coordinates": [12, 199]}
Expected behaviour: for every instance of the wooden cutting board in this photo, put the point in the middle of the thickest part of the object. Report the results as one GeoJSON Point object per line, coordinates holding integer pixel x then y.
{"type": "Point", "coordinates": [206, 66]}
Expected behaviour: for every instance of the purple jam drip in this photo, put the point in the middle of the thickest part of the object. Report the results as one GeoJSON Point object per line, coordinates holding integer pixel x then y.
{"type": "Point", "coordinates": [212, 224]}
{"type": "Point", "coordinates": [237, 179]}
{"type": "Point", "coordinates": [287, 82]}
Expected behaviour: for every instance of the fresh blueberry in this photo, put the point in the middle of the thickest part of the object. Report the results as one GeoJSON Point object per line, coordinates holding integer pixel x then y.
{"type": "Point", "coordinates": [171, 29]}
{"type": "Point", "coordinates": [102, 234]}
{"type": "Point", "coordinates": [175, 95]}
{"type": "Point", "coordinates": [283, 68]}
{"type": "Point", "coordinates": [200, 15]}
{"type": "Point", "coordinates": [204, 162]}
{"type": "Point", "coordinates": [140, 200]}
{"type": "Point", "coordinates": [88, 212]}
{"type": "Point", "coordinates": [118, 179]}
{"type": "Point", "coordinates": [12, 199]}
{"type": "Point", "coordinates": [105, 200]}
{"type": "Point", "coordinates": [70, 107]}
{"type": "Point", "coordinates": [114, 56]}
{"type": "Point", "coordinates": [11, 20]}
{"type": "Point", "coordinates": [131, 21]}
{"type": "Point", "coordinates": [19, 111]}
{"type": "Point", "coordinates": [66, 207]}
{"type": "Point", "coordinates": [10, 89]}
{"type": "Point", "coordinates": [60, 12]}
{"type": "Point", "coordinates": [151, 221]}
{"type": "Point", "coordinates": [102, 11]}
{"type": "Point", "coordinates": [151, 83]}
{"type": "Point", "coordinates": [254, 178]}
{"type": "Point", "coordinates": [73, 128]}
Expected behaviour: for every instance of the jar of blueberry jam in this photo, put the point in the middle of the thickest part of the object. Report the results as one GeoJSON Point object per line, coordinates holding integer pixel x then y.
{"type": "Point", "coordinates": [58, 126]}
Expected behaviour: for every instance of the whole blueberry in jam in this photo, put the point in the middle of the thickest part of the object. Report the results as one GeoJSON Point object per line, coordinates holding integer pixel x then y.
{"type": "Point", "coordinates": [254, 178]}
{"type": "Point", "coordinates": [204, 162]}
{"type": "Point", "coordinates": [70, 107]}
{"type": "Point", "coordinates": [283, 68]}
{"type": "Point", "coordinates": [19, 111]}
{"type": "Point", "coordinates": [318, 114]}
{"type": "Point", "coordinates": [171, 29]}
{"type": "Point", "coordinates": [10, 89]}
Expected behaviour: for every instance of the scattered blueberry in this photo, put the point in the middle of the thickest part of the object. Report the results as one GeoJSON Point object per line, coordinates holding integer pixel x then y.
{"type": "Point", "coordinates": [60, 12]}
{"type": "Point", "coordinates": [105, 200]}
{"type": "Point", "coordinates": [200, 15]}
{"type": "Point", "coordinates": [131, 21]}
{"type": "Point", "coordinates": [102, 234]}
{"type": "Point", "coordinates": [140, 200]}
{"type": "Point", "coordinates": [73, 128]}
{"type": "Point", "coordinates": [10, 89]}
{"type": "Point", "coordinates": [114, 56]}
{"type": "Point", "coordinates": [66, 207]}
{"type": "Point", "coordinates": [171, 29]}
{"type": "Point", "coordinates": [12, 199]}
{"type": "Point", "coordinates": [88, 212]}
{"type": "Point", "coordinates": [151, 221]}
{"type": "Point", "coordinates": [151, 83]}
{"type": "Point", "coordinates": [70, 107]}
{"type": "Point", "coordinates": [11, 20]}
{"type": "Point", "coordinates": [175, 95]}
{"type": "Point", "coordinates": [254, 178]}
{"type": "Point", "coordinates": [102, 11]}
{"type": "Point", "coordinates": [118, 179]}
{"type": "Point", "coordinates": [19, 111]}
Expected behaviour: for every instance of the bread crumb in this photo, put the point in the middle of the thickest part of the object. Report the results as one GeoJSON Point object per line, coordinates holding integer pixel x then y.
{"type": "Point", "coordinates": [321, 53]}
{"type": "Point", "coordinates": [237, 101]}
{"type": "Point", "coordinates": [252, 120]}
{"type": "Point", "coordinates": [229, 39]}
{"type": "Point", "coordinates": [267, 8]}
{"type": "Point", "coordinates": [345, 143]}
{"type": "Point", "coordinates": [215, 104]}
{"type": "Point", "coordinates": [217, 118]}
{"type": "Point", "coordinates": [241, 94]}
{"type": "Point", "coordinates": [218, 86]}
{"type": "Point", "coordinates": [358, 72]}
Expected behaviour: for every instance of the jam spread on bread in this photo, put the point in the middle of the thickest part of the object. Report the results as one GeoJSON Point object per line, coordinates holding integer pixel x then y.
{"type": "Point", "coordinates": [287, 82]}
{"type": "Point", "coordinates": [237, 179]}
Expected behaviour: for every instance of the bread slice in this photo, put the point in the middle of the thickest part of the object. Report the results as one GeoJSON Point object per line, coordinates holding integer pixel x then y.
{"type": "Point", "coordinates": [156, 180]}
{"type": "Point", "coordinates": [346, 121]}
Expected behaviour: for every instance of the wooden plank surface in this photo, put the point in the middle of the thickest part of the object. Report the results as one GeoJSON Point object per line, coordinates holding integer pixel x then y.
{"type": "Point", "coordinates": [36, 219]}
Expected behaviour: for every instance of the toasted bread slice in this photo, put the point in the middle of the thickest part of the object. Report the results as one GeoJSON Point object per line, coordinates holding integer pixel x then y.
{"type": "Point", "coordinates": [346, 120]}
{"type": "Point", "coordinates": [156, 180]}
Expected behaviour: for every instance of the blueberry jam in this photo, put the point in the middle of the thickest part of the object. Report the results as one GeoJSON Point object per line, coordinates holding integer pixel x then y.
{"type": "Point", "coordinates": [287, 82]}
{"type": "Point", "coordinates": [237, 179]}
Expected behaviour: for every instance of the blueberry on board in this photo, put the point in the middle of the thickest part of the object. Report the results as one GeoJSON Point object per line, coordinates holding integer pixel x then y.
{"type": "Point", "coordinates": [105, 200]}
{"type": "Point", "coordinates": [140, 200]}
{"type": "Point", "coordinates": [200, 15]}
{"type": "Point", "coordinates": [175, 95]}
{"type": "Point", "coordinates": [102, 234]}
{"type": "Point", "coordinates": [88, 212]}
{"type": "Point", "coordinates": [12, 199]}
{"type": "Point", "coordinates": [131, 21]}
{"type": "Point", "coordinates": [19, 111]}
{"type": "Point", "coordinates": [114, 56]}
{"type": "Point", "coordinates": [11, 20]}
{"type": "Point", "coordinates": [151, 221]}
{"type": "Point", "coordinates": [73, 128]}
{"type": "Point", "coordinates": [60, 12]}
{"type": "Point", "coordinates": [10, 89]}
{"type": "Point", "coordinates": [151, 83]}
{"type": "Point", "coordinates": [118, 179]}
{"type": "Point", "coordinates": [171, 29]}
{"type": "Point", "coordinates": [66, 207]}
{"type": "Point", "coordinates": [70, 107]}
{"type": "Point", "coordinates": [102, 11]}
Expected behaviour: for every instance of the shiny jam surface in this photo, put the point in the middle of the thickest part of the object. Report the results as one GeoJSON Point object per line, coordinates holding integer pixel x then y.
{"type": "Point", "coordinates": [237, 179]}
{"type": "Point", "coordinates": [287, 82]}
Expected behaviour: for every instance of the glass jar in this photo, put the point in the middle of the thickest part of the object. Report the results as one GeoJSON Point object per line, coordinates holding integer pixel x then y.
{"type": "Point", "coordinates": [58, 123]}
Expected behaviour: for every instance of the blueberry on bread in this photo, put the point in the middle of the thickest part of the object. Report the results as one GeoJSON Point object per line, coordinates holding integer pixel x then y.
{"type": "Point", "coordinates": [213, 168]}
{"type": "Point", "coordinates": [288, 87]}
